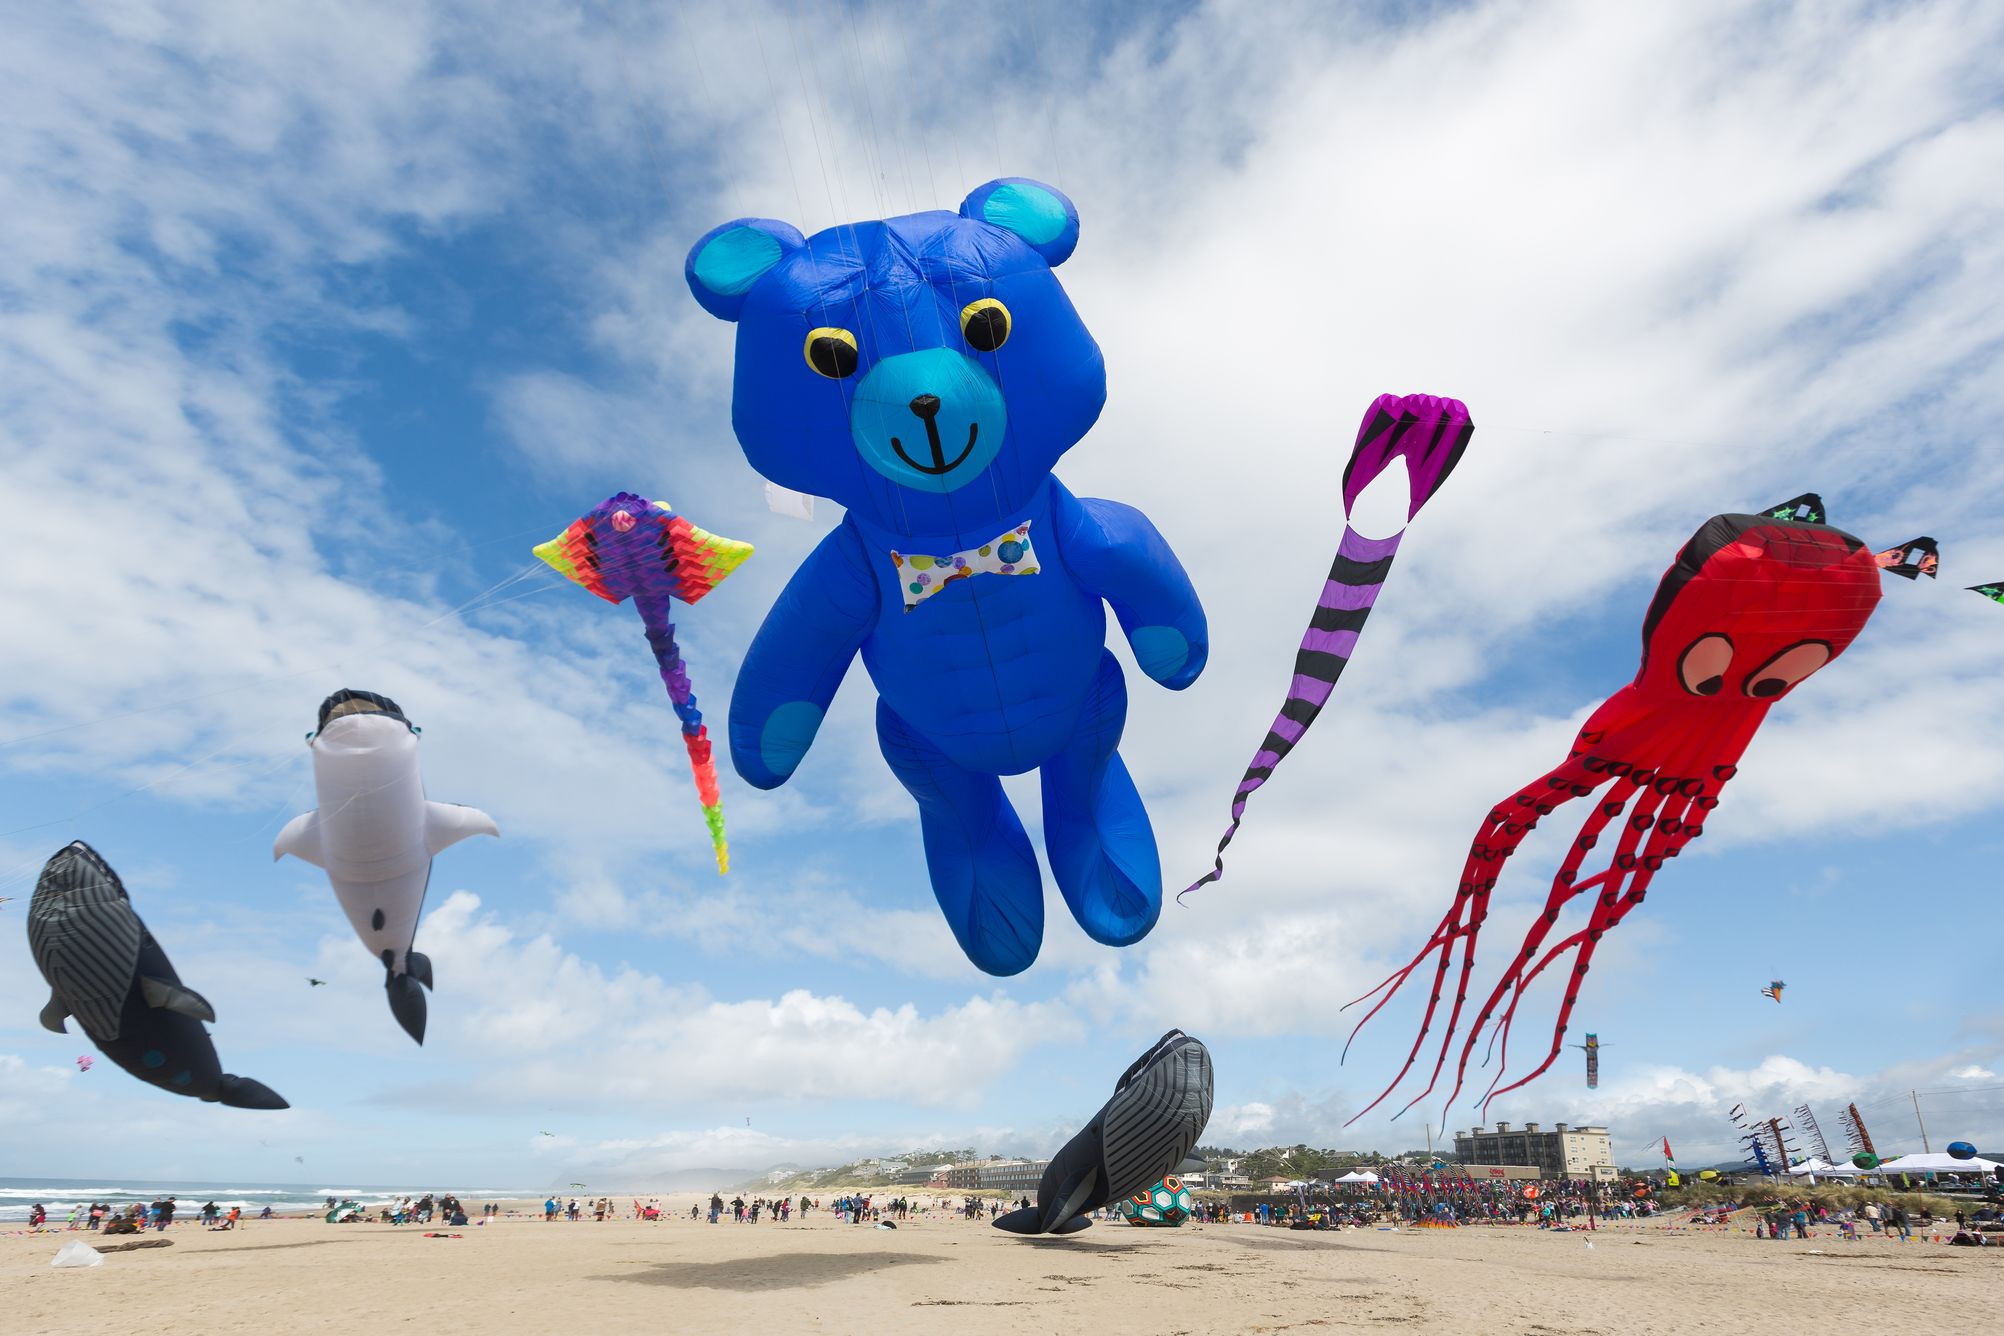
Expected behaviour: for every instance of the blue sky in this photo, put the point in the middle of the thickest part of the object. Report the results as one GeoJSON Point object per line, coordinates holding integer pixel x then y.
{"type": "Point", "coordinates": [311, 328]}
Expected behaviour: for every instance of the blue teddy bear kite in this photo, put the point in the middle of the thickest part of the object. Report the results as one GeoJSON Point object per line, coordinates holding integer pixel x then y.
{"type": "Point", "coordinates": [926, 372]}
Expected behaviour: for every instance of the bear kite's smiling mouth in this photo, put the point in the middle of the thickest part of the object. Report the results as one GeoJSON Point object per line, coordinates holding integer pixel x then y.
{"type": "Point", "coordinates": [940, 464]}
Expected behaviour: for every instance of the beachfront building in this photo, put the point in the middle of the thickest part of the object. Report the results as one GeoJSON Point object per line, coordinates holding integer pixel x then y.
{"type": "Point", "coordinates": [1563, 1152]}
{"type": "Point", "coordinates": [963, 1177]}
{"type": "Point", "coordinates": [1013, 1175]}
{"type": "Point", "coordinates": [1218, 1181]}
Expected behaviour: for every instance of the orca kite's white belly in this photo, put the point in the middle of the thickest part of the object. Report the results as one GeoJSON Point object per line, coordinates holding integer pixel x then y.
{"type": "Point", "coordinates": [374, 832]}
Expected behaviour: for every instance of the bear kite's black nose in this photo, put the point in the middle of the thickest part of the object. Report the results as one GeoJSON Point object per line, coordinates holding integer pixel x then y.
{"type": "Point", "coordinates": [926, 405]}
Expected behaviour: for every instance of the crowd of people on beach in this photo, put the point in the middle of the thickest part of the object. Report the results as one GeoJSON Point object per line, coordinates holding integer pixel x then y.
{"type": "Point", "coordinates": [137, 1217]}
{"type": "Point", "coordinates": [1978, 1227]}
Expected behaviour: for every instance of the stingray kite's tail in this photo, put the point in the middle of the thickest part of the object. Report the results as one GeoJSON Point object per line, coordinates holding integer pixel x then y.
{"type": "Point", "coordinates": [695, 735]}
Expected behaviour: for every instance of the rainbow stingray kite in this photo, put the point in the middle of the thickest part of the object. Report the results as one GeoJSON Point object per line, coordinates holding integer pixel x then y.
{"type": "Point", "coordinates": [628, 546]}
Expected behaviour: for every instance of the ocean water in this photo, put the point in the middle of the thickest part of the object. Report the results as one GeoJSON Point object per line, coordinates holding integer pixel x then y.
{"type": "Point", "coordinates": [58, 1195]}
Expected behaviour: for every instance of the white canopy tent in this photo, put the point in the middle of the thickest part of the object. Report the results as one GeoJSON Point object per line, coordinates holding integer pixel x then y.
{"type": "Point", "coordinates": [1358, 1176]}
{"type": "Point", "coordinates": [1936, 1163]}
{"type": "Point", "coordinates": [1813, 1169]}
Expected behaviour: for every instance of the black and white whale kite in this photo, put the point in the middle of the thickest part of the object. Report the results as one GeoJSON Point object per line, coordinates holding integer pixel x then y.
{"type": "Point", "coordinates": [375, 835]}
{"type": "Point", "coordinates": [1157, 1112]}
{"type": "Point", "coordinates": [104, 968]}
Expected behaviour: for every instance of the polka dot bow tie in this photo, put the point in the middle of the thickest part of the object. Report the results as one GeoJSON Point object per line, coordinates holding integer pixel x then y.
{"type": "Point", "coordinates": [921, 576]}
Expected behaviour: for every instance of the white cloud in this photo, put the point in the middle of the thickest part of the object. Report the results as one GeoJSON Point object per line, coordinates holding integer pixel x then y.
{"type": "Point", "coordinates": [550, 1027]}
{"type": "Point", "coordinates": [1237, 1124]}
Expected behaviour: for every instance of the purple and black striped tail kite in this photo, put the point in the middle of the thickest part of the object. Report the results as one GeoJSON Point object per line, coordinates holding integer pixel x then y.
{"type": "Point", "coordinates": [1430, 434]}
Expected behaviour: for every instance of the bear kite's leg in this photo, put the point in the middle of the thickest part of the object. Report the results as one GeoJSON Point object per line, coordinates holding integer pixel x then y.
{"type": "Point", "coordinates": [1095, 829]}
{"type": "Point", "coordinates": [984, 873]}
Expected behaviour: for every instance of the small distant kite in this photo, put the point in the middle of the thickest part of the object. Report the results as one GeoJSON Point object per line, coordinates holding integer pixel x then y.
{"type": "Point", "coordinates": [315, 983]}
{"type": "Point", "coordinates": [299, 1159]}
{"type": "Point", "coordinates": [1592, 1047]}
{"type": "Point", "coordinates": [1994, 591]}
{"type": "Point", "coordinates": [85, 1062]}
{"type": "Point", "coordinates": [1773, 989]}
{"type": "Point", "coordinates": [549, 1134]}
{"type": "Point", "coordinates": [1912, 559]}
{"type": "Point", "coordinates": [629, 546]}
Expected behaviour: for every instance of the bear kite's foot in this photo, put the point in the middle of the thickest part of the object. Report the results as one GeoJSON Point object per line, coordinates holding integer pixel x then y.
{"type": "Point", "coordinates": [984, 872]}
{"type": "Point", "coordinates": [1096, 830]}
{"type": "Point", "coordinates": [1106, 863]}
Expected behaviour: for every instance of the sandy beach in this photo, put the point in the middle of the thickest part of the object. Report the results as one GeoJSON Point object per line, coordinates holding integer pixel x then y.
{"type": "Point", "coordinates": [521, 1275]}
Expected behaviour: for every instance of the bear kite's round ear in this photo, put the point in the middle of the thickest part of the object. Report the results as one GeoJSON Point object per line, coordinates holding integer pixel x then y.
{"type": "Point", "coordinates": [1041, 216]}
{"type": "Point", "coordinates": [724, 264]}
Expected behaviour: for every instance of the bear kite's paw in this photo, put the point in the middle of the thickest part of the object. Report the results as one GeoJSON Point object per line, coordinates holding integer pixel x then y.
{"type": "Point", "coordinates": [1166, 655]}
{"type": "Point", "coordinates": [782, 742]}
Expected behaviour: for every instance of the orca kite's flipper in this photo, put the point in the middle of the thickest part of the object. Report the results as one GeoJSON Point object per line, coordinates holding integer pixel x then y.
{"type": "Point", "coordinates": [240, 1092]}
{"type": "Point", "coordinates": [301, 839]}
{"type": "Point", "coordinates": [177, 998]}
{"type": "Point", "coordinates": [407, 1004]}
{"type": "Point", "coordinates": [53, 1013]}
{"type": "Point", "coordinates": [1024, 1221]}
{"type": "Point", "coordinates": [446, 824]}
{"type": "Point", "coordinates": [418, 965]}
{"type": "Point", "coordinates": [1074, 1225]}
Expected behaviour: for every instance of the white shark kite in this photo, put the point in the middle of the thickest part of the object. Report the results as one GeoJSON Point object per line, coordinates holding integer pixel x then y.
{"type": "Point", "coordinates": [375, 834]}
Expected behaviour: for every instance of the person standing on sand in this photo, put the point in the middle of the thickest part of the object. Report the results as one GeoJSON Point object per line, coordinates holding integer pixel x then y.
{"type": "Point", "coordinates": [716, 1206]}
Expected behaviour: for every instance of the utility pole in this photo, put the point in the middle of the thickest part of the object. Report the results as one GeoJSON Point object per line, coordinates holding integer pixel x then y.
{"type": "Point", "coordinates": [1915, 1096]}
{"type": "Point", "coordinates": [1429, 1138]}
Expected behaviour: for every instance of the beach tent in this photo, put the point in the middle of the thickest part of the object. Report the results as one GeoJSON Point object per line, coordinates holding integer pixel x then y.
{"type": "Point", "coordinates": [1358, 1176]}
{"type": "Point", "coordinates": [1936, 1164]}
{"type": "Point", "coordinates": [1813, 1169]}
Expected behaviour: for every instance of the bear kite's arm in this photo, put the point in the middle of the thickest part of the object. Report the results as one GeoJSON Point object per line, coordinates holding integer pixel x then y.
{"type": "Point", "coordinates": [798, 659]}
{"type": "Point", "coordinates": [1114, 552]}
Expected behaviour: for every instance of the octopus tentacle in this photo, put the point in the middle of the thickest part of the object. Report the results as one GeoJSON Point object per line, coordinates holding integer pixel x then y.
{"type": "Point", "coordinates": [1641, 817]}
{"type": "Point", "coordinates": [1605, 916]}
{"type": "Point", "coordinates": [1562, 890]}
{"type": "Point", "coordinates": [1667, 839]}
{"type": "Point", "coordinates": [1675, 787]}
{"type": "Point", "coordinates": [1508, 823]}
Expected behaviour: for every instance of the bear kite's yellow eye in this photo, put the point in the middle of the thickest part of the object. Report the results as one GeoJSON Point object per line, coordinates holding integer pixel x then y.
{"type": "Point", "coordinates": [985, 324]}
{"type": "Point", "coordinates": [831, 352]}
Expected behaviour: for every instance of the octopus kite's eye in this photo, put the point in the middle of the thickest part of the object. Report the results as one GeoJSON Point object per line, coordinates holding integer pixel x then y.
{"type": "Point", "coordinates": [1702, 666]}
{"type": "Point", "coordinates": [985, 324]}
{"type": "Point", "coordinates": [831, 352]}
{"type": "Point", "coordinates": [1787, 668]}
